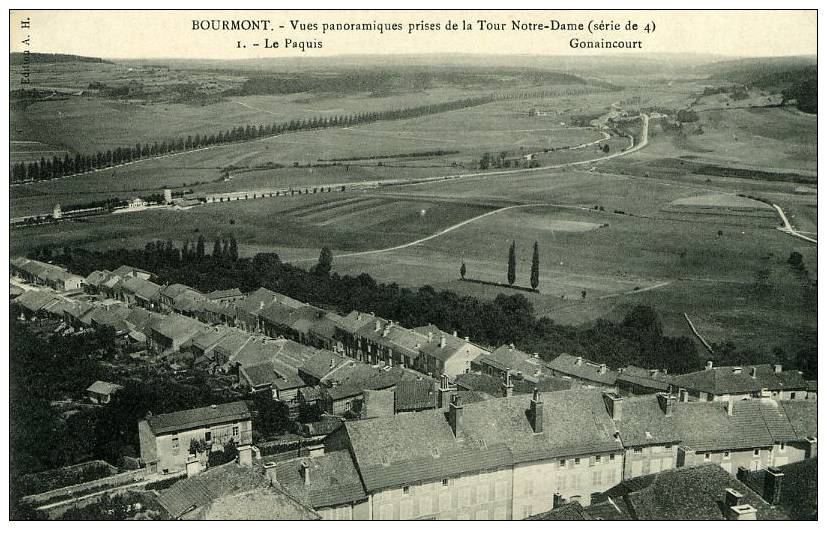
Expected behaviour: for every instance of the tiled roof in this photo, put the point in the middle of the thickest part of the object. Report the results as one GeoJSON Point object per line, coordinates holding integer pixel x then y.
{"type": "Point", "coordinates": [803, 416]}
{"type": "Point", "coordinates": [643, 422]}
{"type": "Point", "coordinates": [141, 287]}
{"type": "Point", "coordinates": [572, 511]}
{"type": "Point", "coordinates": [259, 374]}
{"type": "Point", "coordinates": [799, 488]}
{"type": "Point", "coordinates": [521, 364]}
{"type": "Point", "coordinates": [402, 449]}
{"type": "Point", "coordinates": [577, 367]}
{"type": "Point", "coordinates": [415, 395]}
{"type": "Point", "coordinates": [740, 380]}
{"type": "Point", "coordinates": [453, 344]}
{"type": "Point", "coordinates": [34, 300]}
{"type": "Point", "coordinates": [493, 386]}
{"type": "Point", "coordinates": [334, 480]}
{"type": "Point", "coordinates": [322, 363]}
{"type": "Point", "coordinates": [221, 295]}
{"type": "Point", "coordinates": [97, 277]}
{"type": "Point", "coordinates": [688, 493]}
{"type": "Point", "coordinates": [230, 492]}
{"type": "Point", "coordinates": [325, 326]}
{"type": "Point", "coordinates": [659, 384]}
{"type": "Point", "coordinates": [754, 423]}
{"type": "Point", "coordinates": [177, 327]}
{"type": "Point", "coordinates": [192, 418]}
{"type": "Point", "coordinates": [354, 320]}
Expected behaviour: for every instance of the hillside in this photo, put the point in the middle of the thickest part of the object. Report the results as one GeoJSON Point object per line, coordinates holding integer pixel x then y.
{"type": "Point", "coordinates": [16, 59]}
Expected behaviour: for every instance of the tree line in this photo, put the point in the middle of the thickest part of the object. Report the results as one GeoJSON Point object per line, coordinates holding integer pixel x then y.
{"type": "Point", "coordinates": [504, 320]}
{"type": "Point", "coordinates": [57, 167]}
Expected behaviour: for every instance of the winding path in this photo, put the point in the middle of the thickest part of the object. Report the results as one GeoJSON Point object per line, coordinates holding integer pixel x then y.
{"type": "Point", "coordinates": [788, 228]}
{"type": "Point", "coordinates": [644, 140]}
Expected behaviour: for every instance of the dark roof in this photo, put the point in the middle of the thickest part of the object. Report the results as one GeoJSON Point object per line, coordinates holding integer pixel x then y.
{"type": "Point", "coordinates": [645, 381]}
{"type": "Point", "coordinates": [141, 287]}
{"type": "Point", "coordinates": [521, 364]}
{"type": "Point", "coordinates": [799, 488]}
{"type": "Point", "coordinates": [740, 380]}
{"type": "Point", "coordinates": [193, 418]}
{"type": "Point", "coordinates": [177, 327]}
{"type": "Point", "coordinates": [228, 293]}
{"type": "Point", "coordinates": [577, 367]}
{"type": "Point", "coordinates": [35, 299]}
{"type": "Point", "coordinates": [333, 477]}
{"type": "Point", "coordinates": [493, 386]}
{"type": "Point", "coordinates": [259, 374]}
{"type": "Point", "coordinates": [415, 395]}
{"type": "Point", "coordinates": [572, 511]}
{"type": "Point", "coordinates": [688, 493]}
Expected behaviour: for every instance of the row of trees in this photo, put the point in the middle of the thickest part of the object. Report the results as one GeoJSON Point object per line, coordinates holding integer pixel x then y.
{"type": "Point", "coordinates": [57, 167]}
{"type": "Point", "coordinates": [506, 319]}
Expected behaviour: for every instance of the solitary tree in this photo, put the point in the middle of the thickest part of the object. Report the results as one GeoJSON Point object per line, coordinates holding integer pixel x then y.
{"type": "Point", "coordinates": [462, 270]}
{"type": "Point", "coordinates": [512, 263]}
{"type": "Point", "coordinates": [216, 248]}
{"type": "Point", "coordinates": [233, 248]}
{"type": "Point", "coordinates": [325, 263]}
{"type": "Point", "coordinates": [535, 267]}
{"type": "Point", "coordinates": [199, 248]}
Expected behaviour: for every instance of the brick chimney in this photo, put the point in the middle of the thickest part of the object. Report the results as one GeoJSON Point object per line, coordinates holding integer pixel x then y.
{"type": "Point", "coordinates": [772, 485]}
{"type": "Point", "coordinates": [666, 402]}
{"type": "Point", "coordinates": [709, 365]}
{"type": "Point", "coordinates": [732, 497]}
{"type": "Point", "coordinates": [738, 511]}
{"type": "Point", "coordinates": [536, 412]}
{"type": "Point", "coordinates": [444, 392]}
{"type": "Point", "coordinates": [508, 386]}
{"type": "Point", "coordinates": [614, 404]}
{"type": "Point", "coordinates": [811, 450]}
{"type": "Point", "coordinates": [455, 415]}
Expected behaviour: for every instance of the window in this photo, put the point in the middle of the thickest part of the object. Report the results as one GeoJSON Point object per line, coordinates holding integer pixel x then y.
{"type": "Point", "coordinates": [175, 444]}
{"type": "Point", "coordinates": [577, 461]}
{"type": "Point", "coordinates": [611, 457]}
{"type": "Point", "coordinates": [726, 455]}
{"type": "Point", "coordinates": [444, 482]}
{"type": "Point", "coordinates": [792, 395]}
{"type": "Point", "coordinates": [782, 447]}
{"type": "Point", "coordinates": [668, 447]}
{"type": "Point", "coordinates": [562, 463]}
{"type": "Point", "coordinates": [638, 450]}
{"type": "Point", "coordinates": [235, 431]}
{"type": "Point", "coordinates": [707, 457]}
{"type": "Point", "coordinates": [756, 452]}
{"type": "Point", "coordinates": [598, 459]}
{"type": "Point", "coordinates": [406, 490]}
{"type": "Point", "coordinates": [208, 436]}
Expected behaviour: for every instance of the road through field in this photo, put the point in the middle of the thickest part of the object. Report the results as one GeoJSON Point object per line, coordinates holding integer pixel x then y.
{"type": "Point", "coordinates": [788, 228]}
{"type": "Point", "coordinates": [644, 140]}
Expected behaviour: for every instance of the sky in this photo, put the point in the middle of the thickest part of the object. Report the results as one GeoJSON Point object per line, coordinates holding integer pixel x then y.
{"type": "Point", "coordinates": [169, 34]}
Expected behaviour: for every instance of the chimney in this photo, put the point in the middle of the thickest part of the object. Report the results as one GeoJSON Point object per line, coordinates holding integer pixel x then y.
{"type": "Point", "coordinates": [737, 370]}
{"type": "Point", "coordinates": [455, 415]}
{"type": "Point", "coordinates": [730, 407]}
{"type": "Point", "coordinates": [442, 342]}
{"type": "Point", "coordinates": [315, 450]}
{"type": "Point", "coordinates": [444, 392]}
{"type": "Point", "coordinates": [772, 485]}
{"type": "Point", "coordinates": [614, 404]}
{"type": "Point", "coordinates": [602, 369]}
{"type": "Point", "coordinates": [270, 472]}
{"type": "Point", "coordinates": [511, 346]}
{"type": "Point", "coordinates": [683, 395]}
{"type": "Point", "coordinates": [305, 472]}
{"type": "Point", "coordinates": [811, 449]}
{"type": "Point", "coordinates": [578, 361]}
{"type": "Point", "coordinates": [508, 387]}
{"type": "Point", "coordinates": [377, 326]}
{"type": "Point", "coordinates": [753, 371]}
{"type": "Point", "coordinates": [536, 355]}
{"type": "Point", "coordinates": [261, 305]}
{"type": "Point", "coordinates": [386, 330]}
{"type": "Point", "coordinates": [709, 365]}
{"type": "Point", "coordinates": [430, 336]}
{"type": "Point", "coordinates": [666, 402]}
{"type": "Point", "coordinates": [455, 333]}
{"type": "Point", "coordinates": [776, 368]}
{"type": "Point", "coordinates": [742, 474]}
{"type": "Point", "coordinates": [742, 512]}
{"type": "Point", "coordinates": [732, 497]}
{"type": "Point", "coordinates": [467, 339]}
{"type": "Point", "coordinates": [536, 412]}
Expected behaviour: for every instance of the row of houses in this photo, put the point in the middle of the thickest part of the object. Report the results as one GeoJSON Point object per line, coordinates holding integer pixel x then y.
{"type": "Point", "coordinates": [45, 274]}
{"type": "Point", "coordinates": [520, 456]}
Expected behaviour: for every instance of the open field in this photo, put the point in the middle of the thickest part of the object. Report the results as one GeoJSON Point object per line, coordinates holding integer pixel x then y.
{"type": "Point", "coordinates": [645, 227]}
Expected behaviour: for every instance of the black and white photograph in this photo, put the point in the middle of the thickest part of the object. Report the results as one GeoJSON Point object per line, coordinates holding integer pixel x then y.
{"type": "Point", "coordinates": [492, 265]}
